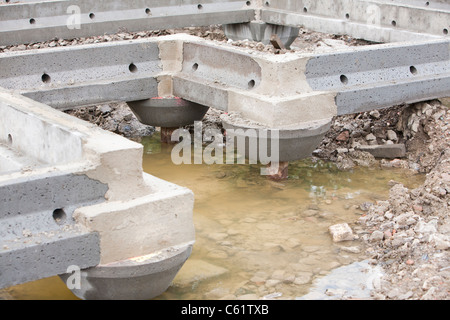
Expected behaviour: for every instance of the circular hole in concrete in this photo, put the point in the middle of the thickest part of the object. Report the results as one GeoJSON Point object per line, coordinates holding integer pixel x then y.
{"type": "Point", "coordinates": [200, 7]}
{"type": "Point", "coordinates": [251, 84]}
{"type": "Point", "coordinates": [32, 21]}
{"type": "Point", "coordinates": [413, 70]}
{"type": "Point", "coordinates": [46, 78]}
{"type": "Point", "coordinates": [267, 4]}
{"type": "Point", "coordinates": [347, 16]}
{"type": "Point", "coordinates": [92, 15]}
{"type": "Point", "coordinates": [195, 67]}
{"type": "Point", "coordinates": [445, 31]}
{"type": "Point", "coordinates": [427, 3]}
{"type": "Point", "coordinates": [305, 9]}
{"type": "Point", "coordinates": [394, 23]}
{"type": "Point", "coordinates": [148, 11]}
{"type": "Point", "coordinates": [248, 3]}
{"type": "Point", "coordinates": [344, 79]}
{"type": "Point", "coordinates": [10, 139]}
{"type": "Point", "coordinates": [132, 67]}
{"type": "Point", "coordinates": [59, 215]}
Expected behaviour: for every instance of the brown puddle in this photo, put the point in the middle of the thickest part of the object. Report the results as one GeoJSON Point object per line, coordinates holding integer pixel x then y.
{"type": "Point", "coordinates": [256, 238]}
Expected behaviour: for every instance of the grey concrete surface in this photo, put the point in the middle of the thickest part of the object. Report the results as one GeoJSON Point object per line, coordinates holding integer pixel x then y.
{"type": "Point", "coordinates": [140, 278]}
{"type": "Point", "coordinates": [167, 112]}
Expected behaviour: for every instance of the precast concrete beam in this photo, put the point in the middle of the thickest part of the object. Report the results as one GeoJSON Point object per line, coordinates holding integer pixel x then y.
{"type": "Point", "coordinates": [379, 76]}
{"type": "Point", "coordinates": [167, 112]}
{"type": "Point", "coordinates": [379, 21]}
{"type": "Point", "coordinates": [83, 200]}
{"type": "Point", "coordinates": [33, 21]}
{"type": "Point", "coordinates": [66, 77]}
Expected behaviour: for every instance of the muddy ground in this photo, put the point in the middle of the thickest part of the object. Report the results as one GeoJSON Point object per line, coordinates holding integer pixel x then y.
{"type": "Point", "coordinates": [407, 234]}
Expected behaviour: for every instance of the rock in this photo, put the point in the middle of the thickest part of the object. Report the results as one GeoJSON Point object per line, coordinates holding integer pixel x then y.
{"type": "Point", "coordinates": [429, 295]}
{"type": "Point", "coordinates": [104, 109]}
{"type": "Point", "coordinates": [376, 236]}
{"type": "Point", "coordinates": [375, 114]}
{"type": "Point", "coordinates": [335, 292]}
{"type": "Point", "coordinates": [259, 281]}
{"type": "Point", "coordinates": [441, 242]}
{"type": "Point", "coordinates": [302, 278]}
{"type": "Point", "coordinates": [388, 151]}
{"type": "Point", "coordinates": [371, 137]}
{"type": "Point", "coordinates": [391, 135]}
{"type": "Point", "coordinates": [341, 150]}
{"type": "Point", "coordinates": [405, 219]}
{"type": "Point", "coordinates": [341, 232]}
{"type": "Point", "coordinates": [351, 249]}
{"type": "Point", "coordinates": [424, 227]}
{"type": "Point", "coordinates": [195, 270]}
{"type": "Point", "coordinates": [272, 283]}
{"type": "Point", "coordinates": [343, 136]}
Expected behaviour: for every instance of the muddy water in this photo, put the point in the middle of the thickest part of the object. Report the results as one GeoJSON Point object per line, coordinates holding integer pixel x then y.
{"type": "Point", "coordinates": [256, 238]}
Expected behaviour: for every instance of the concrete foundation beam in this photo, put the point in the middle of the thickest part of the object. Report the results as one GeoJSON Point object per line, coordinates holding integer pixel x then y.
{"type": "Point", "coordinates": [28, 22]}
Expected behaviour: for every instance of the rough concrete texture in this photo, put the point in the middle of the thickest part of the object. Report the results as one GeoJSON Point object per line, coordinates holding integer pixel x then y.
{"type": "Point", "coordinates": [39, 21]}
{"type": "Point", "coordinates": [139, 278]}
{"type": "Point", "coordinates": [380, 21]}
{"type": "Point", "coordinates": [158, 214]}
{"type": "Point", "coordinates": [292, 143]}
{"type": "Point", "coordinates": [167, 112]}
{"type": "Point", "coordinates": [33, 257]}
{"type": "Point", "coordinates": [72, 77]}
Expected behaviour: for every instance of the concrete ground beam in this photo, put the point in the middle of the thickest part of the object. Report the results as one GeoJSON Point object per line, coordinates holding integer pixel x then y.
{"type": "Point", "coordinates": [44, 20]}
{"type": "Point", "coordinates": [68, 77]}
{"type": "Point", "coordinates": [379, 21]}
{"type": "Point", "coordinates": [379, 76]}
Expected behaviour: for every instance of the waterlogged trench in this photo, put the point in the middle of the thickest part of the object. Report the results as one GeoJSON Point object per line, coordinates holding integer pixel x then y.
{"type": "Point", "coordinates": [256, 238]}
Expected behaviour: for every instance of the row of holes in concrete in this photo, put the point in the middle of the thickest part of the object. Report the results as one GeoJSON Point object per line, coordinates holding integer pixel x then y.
{"type": "Point", "coordinates": [251, 83]}
{"type": "Point", "coordinates": [132, 68]}
{"type": "Point", "coordinates": [344, 78]}
{"type": "Point", "coordinates": [47, 79]}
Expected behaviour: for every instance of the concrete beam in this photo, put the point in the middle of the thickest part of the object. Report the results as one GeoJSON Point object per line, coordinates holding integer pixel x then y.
{"type": "Point", "coordinates": [374, 20]}
{"type": "Point", "coordinates": [28, 22]}
{"type": "Point", "coordinates": [84, 75]}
